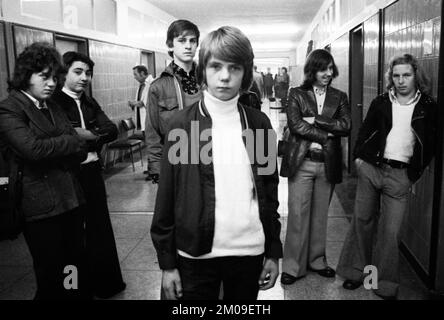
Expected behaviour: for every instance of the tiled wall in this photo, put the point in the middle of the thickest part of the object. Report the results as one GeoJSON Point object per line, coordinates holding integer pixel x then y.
{"type": "Point", "coordinates": [340, 49]}
{"type": "Point", "coordinates": [3, 64]}
{"type": "Point", "coordinates": [162, 60]}
{"type": "Point", "coordinates": [113, 83]}
{"type": "Point", "coordinates": [371, 62]}
{"type": "Point", "coordinates": [414, 27]}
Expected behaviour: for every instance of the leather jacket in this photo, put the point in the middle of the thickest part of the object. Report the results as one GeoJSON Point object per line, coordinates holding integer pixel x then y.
{"type": "Point", "coordinates": [372, 136]}
{"type": "Point", "coordinates": [335, 119]}
{"type": "Point", "coordinates": [162, 105]}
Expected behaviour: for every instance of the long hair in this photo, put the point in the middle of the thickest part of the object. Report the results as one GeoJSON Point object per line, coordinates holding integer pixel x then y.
{"type": "Point", "coordinates": [35, 58]}
{"type": "Point", "coordinates": [228, 44]}
{"type": "Point", "coordinates": [421, 80]}
{"type": "Point", "coordinates": [318, 60]}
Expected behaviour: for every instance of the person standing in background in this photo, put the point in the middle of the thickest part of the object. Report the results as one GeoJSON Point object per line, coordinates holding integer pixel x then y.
{"type": "Point", "coordinates": [174, 90]}
{"type": "Point", "coordinates": [268, 84]}
{"type": "Point", "coordinates": [395, 144]}
{"type": "Point", "coordinates": [318, 115]}
{"type": "Point", "coordinates": [140, 105]}
{"type": "Point", "coordinates": [104, 277]}
{"type": "Point", "coordinates": [258, 79]}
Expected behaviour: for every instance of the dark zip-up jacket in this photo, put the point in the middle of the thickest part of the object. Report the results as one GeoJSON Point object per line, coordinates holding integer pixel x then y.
{"type": "Point", "coordinates": [163, 103]}
{"type": "Point", "coordinates": [96, 120]}
{"type": "Point", "coordinates": [373, 133]}
{"type": "Point", "coordinates": [184, 216]}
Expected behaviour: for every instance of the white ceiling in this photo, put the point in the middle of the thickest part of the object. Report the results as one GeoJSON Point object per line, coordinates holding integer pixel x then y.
{"type": "Point", "coordinates": [271, 25]}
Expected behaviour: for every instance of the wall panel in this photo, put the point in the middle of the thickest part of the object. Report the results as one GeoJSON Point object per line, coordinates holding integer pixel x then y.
{"type": "Point", "coordinates": [113, 84]}
{"type": "Point", "coordinates": [371, 62]}
{"type": "Point", "coordinates": [23, 37]}
{"type": "Point", "coordinates": [3, 64]}
{"type": "Point", "coordinates": [340, 49]}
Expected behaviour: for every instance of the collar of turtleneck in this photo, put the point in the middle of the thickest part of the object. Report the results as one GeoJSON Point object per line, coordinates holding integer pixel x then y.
{"type": "Point", "coordinates": [220, 108]}
{"type": "Point", "coordinates": [72, 94]}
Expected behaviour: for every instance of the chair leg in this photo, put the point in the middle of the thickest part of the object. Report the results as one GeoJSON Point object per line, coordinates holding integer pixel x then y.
{"type": "Point", "coordinates": [114, 158]}
{"type": "Point", "coordinates": [106, 157]}
{"type": "Point", "coordinates": [141, 159]}
{"type": "Point", "coordinates": [132, 158]}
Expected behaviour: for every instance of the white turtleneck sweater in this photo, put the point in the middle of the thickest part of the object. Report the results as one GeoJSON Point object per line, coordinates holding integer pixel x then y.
{"type": "Point", "coordinates": [238, 229]}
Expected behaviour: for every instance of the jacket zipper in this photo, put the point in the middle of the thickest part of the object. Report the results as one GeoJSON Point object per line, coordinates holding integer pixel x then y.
{"type": "Point", "coordinates": [372, 135]}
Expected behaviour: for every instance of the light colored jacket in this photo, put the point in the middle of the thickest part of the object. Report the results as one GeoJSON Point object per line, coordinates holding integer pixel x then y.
{"type": "Point", "coordinates": [144, 99]}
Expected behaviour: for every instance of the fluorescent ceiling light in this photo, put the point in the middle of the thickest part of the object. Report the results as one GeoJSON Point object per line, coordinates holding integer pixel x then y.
{"type": "Point", "coordinates": [273, 45]}
{"type": "Point", "coordinates": [270, 29]}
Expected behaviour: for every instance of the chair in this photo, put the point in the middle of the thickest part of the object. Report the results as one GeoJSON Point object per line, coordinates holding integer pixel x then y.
{"type": "Point", "coordinates": [126, 143]}
{"type": "Point", "coordinates": [128, 124]}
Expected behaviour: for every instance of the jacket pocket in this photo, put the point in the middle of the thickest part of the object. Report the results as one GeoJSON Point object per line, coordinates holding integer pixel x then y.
{"type": "Point", "coordinates": [167, 108]}
{"type": "Point", "coordinates": [168, 104]}
{"type": "Point", "coordinates": [37, 198]}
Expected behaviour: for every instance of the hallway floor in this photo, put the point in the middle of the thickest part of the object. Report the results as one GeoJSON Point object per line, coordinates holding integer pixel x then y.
{"type": "Point", "coordinates": [131, 203]}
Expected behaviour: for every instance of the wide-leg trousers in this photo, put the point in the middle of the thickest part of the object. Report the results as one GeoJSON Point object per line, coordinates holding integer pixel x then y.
{"type": "Point", "coordinates": [373, 237]}
{"type": "Point", "coordinates": [309, 195]}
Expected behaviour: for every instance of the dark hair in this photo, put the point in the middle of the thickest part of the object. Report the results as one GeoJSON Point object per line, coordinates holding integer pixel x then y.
{"type": "Point", "coordinates": [318, 60]}
{"type": "Point", "coordinates": [72, 56]}
{"type": "Point", "coordinates": [177, 28]}
{"type": "Point", "coordinates": [228, 44]}
{"type": "Point", "coordinates": [141, 69]}
{"type": "Point", "coordinates": [35, 58]}
{"type": "Point", "coordinates": [421, 79]}
{"type": "Point", "coordinates": [284, 68]}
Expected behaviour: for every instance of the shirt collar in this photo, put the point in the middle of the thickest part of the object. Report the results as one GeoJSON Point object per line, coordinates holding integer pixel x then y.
{"type": "Point", "coordinates": [35, 101]}
{"type": "Point", "coordinates": [394, 99]}
{"type": "Point", "coordinates": [319, 91]}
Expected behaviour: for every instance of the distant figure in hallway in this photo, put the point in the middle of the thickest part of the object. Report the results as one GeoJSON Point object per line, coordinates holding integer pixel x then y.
{"type": "Point", "coordinates": [44, 153]}
{"type": "Point", "coordinates": [395, 144]}
{"type": "Point", "coordinates": [318, 115]}
{"type": "Point", "coordinates": [258, 79]}
{"type": "Point", "coordinates": [216, 222]}
{"type": "Point", "coordinates": [281, 85]}
{"type": "Point", "coordinates": [268, 84]}
{"type": "Point", "coordinates": [104, 277]}
{"type": "Point", "coordinates": [174, 90]}
{"type": "Point", "coordinates": [139, 105]}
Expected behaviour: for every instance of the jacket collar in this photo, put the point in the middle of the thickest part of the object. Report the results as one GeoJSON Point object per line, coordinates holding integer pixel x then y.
{"type": "Point", "coordinates": [331, 102]}
{"type": "Point", "coordinates": [34, 114]}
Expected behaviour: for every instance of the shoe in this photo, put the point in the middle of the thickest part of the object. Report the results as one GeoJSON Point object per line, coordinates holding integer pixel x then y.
{"type": "Point", "coordinates": [327, 272]}
{"type": "Point", "coordinates": [351, 284]}
{"type": "Point", "coordinates": [145, 172]}
{"type": "Point", "coordinates": [289, 279]}
{"type": "Point", "coordinates": [148, 178]}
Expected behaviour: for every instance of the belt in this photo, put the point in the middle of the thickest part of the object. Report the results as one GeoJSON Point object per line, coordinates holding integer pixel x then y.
{"type": "Point", "coordinates": [395, 163]}
{"type": "Point", "coordinates": [315, 155]}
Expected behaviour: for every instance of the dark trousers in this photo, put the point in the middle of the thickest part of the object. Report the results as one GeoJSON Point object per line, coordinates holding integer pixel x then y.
{"type": "Point", "coordinates": [55, 243]}
{"type": "Point", "coordinates": [104, 274]}
{"type": "Point", "coordinates": [202, 278]}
